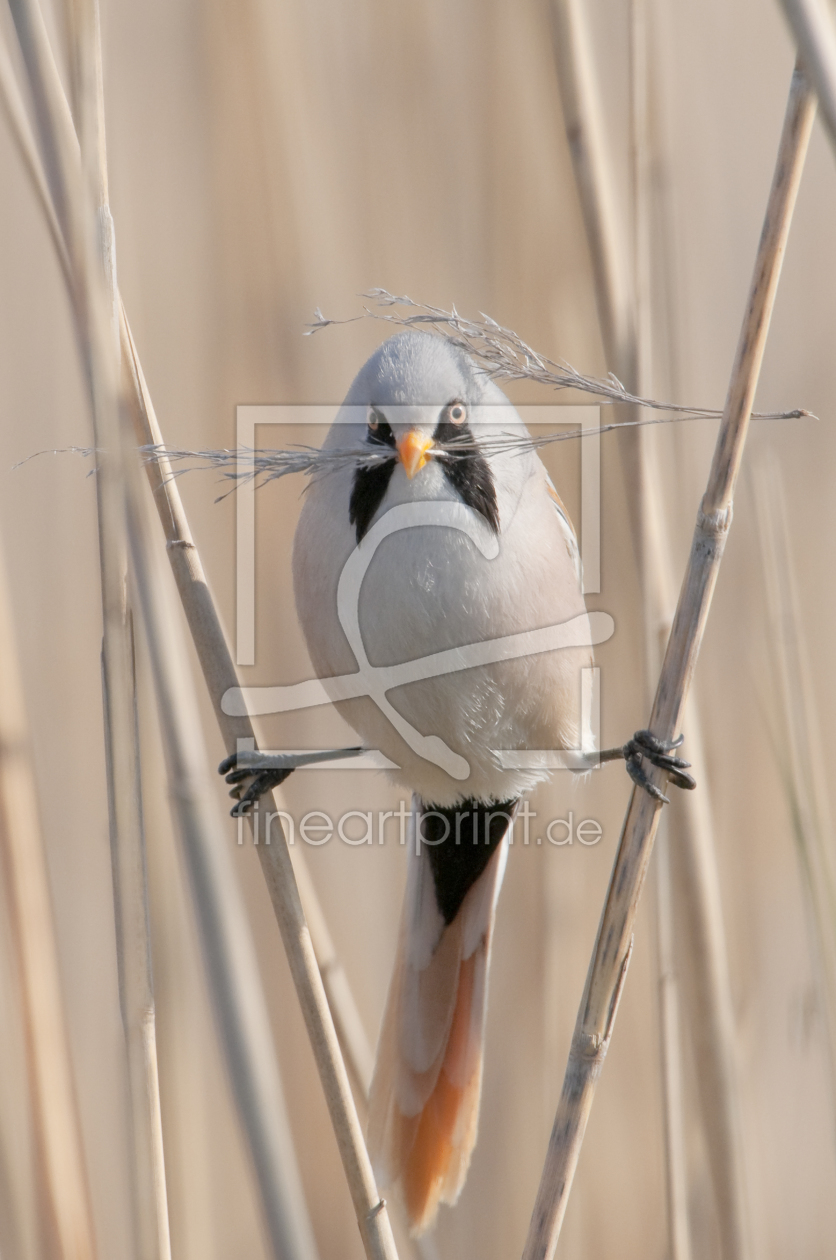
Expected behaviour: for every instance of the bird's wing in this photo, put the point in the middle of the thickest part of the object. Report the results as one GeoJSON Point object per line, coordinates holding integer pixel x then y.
{"type": "Point", "coordinates": [566, 528]}
{"type": "Point", "coordinates": [424, 1102]}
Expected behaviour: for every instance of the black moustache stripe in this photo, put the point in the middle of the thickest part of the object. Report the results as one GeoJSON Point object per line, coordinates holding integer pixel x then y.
{"type": "Point", "coordinates": [367, 493]}
{"type": "Point", "coordinates": [467, 471]}
{"type": "Point", "coordinates": [371, 483]}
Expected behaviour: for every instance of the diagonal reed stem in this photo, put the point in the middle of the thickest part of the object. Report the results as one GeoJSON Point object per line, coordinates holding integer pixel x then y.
{"type": "Point", "coordinates": [688, 873]}
{"type": "Point", "coordinates": [219, 673]}
{"type": "Point", "coordinates": [610, 959]}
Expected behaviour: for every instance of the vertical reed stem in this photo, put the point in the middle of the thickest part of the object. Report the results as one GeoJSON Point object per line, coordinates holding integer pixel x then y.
{"type": "Point", "coordinates": [130, 885]}
{"type": "Point", "coordinates": [799, 750]}
{"type": "Point", "coordinates": [58, 1141]}
{"type": "Point", "coordinates": [652, 570]}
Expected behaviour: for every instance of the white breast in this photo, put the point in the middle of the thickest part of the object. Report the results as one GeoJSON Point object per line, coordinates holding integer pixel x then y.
{"type": "Point", "coordinates": [428, 589]}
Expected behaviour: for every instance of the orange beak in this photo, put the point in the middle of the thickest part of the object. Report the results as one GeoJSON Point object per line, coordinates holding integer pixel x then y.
{"type": "Point", "coordinates": [412, 451]}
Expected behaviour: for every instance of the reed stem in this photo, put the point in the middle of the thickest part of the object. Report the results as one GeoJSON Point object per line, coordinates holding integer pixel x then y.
{"type": "Point", "coordinates": [58, 1143]}
{"type": "Point", "coordinates": [799, 749]}
{"type": "Point", "coordinates": [227, 946]}
{"type": "Point", "coordinates": [610, 959]}
{"type": "Point", "coordinates": [811, 22]}
{"type": "Point", "coordinates": [694, 882]}
{"type": "Point", "coordinates": [127, 839]}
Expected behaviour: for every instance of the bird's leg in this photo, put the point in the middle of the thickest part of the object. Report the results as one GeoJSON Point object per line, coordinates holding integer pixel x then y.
{"type": "Point", "coordinates": [268, 770]}
{"type": "Point", "coordinates": [645, 745]}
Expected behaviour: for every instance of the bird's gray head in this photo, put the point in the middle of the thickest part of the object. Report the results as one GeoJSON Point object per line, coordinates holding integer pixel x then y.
{"type": "Point", "coordinates": [428, 403]}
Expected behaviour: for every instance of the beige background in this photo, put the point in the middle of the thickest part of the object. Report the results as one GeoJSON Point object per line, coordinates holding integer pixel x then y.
{"type": "Point", "coordinates": [267, 158]}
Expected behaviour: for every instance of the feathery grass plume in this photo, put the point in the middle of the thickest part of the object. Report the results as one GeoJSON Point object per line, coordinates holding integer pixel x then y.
{"type": "Point", "coordinates": [504, 355]}
{"type": "Point", "coordinates": [241, 465]}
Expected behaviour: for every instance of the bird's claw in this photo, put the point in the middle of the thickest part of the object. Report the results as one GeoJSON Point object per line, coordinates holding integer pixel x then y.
{"type": "Point", "coordinates": [267, 770]}
{"type": "Point", "coordinates": [261, 780]}
{"type": "Point", "coordinates": [645, 745]}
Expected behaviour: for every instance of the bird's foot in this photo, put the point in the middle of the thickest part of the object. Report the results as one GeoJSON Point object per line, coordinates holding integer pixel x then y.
{"type": "Point", "coordinates": [266, 771]}
{"type": "Point", "coordinates": [240, 767]}
{"type": "Point", "coordinates": [644, 746]}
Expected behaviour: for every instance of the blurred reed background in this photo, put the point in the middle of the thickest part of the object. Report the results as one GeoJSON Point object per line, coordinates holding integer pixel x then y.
{"type": "Point", "coordinates": [266, 159]}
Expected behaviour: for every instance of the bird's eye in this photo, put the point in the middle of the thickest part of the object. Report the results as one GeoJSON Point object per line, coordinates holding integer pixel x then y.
{"type": "Point", "coordinates": [456, 413]}
{"type": "Point", "coordinates": [373, 419]}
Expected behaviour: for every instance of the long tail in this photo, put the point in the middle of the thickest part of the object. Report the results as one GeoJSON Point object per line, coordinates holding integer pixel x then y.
{"type": "Point", "coordinates": [424, 1103]}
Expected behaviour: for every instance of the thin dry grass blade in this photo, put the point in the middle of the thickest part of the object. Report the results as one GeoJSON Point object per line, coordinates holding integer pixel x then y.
{"type": "Point", "coordinates": [611, 956]}
{"type": "Point", "coordinates": [61, 1160]}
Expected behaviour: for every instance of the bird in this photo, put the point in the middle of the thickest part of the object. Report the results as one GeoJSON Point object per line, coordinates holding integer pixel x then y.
{"type": "Point", "coordinates": [424, 417]}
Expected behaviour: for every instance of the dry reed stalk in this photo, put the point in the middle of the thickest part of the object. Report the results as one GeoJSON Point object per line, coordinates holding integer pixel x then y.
{"type": "Point", "coordinates": [370, 1209]}
{"type": "Point", "coordinates": [625, 333]}
{"type": "Point", "coordinates": [148, 1195]}
{"type": "Point", "coordinates": [651, 565]}
{"type": "Point", "coordinates": [228, 951]}
{"type": "Point", "coordinates": [220, 675]}
{"type": "Point", "coordinates": [21, 134]}
{"type": "Point", "coordinates": [139, 1019]}
{"type": "Point", "coordinates": [811, 22]}
{"type": "Point", "coordinates": [805, 779]}
{"type": "Point", "coordinates": [670, 1051]}
{"type": "Point", "coordinates": [276, 863]}
{"type": "Point", "coordinates": [610, 959]}
{"type": "Point", "coordinates": [210, 641]}
{"type": "Point", "coordinates": [227, 945]}
{"type": "Point", "coordinates": [703, 959]}
{"type": "Point", "coordinates": [127, 839]}
{"type": "Point", "coordinates": [57, 1130]}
